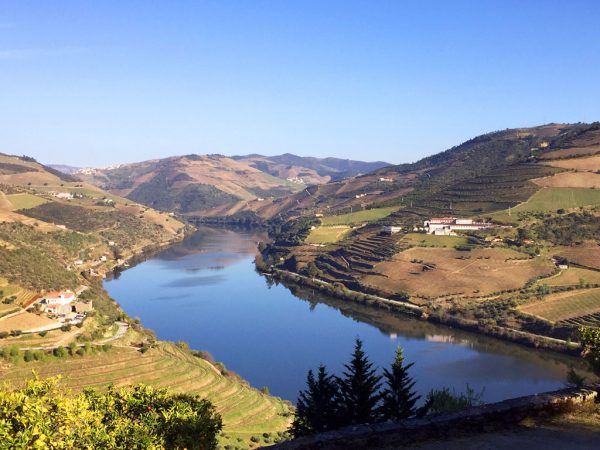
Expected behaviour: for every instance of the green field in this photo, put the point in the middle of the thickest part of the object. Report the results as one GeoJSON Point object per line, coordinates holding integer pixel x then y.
{"type": "Point", "coordinates": [551, 199]}
{"type": "Point", "coordinates": [25, 201]}
{"type": "Point", "coordinates": [572, 276]}
{"type": "Point", "coordinates": [326, 235]}
{"type": "Point", "coordinates": [429, 240]}
{"type": "Point", "coordinates": [367, 215]}
{"type": "Point", "coordinates": [565, 305]}
{"type": "Point", "coordinates": [246, 411]}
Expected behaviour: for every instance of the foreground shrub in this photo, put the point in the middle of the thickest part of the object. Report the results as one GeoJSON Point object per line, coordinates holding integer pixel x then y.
{"type": "Point", "coordinates": [41, 415]}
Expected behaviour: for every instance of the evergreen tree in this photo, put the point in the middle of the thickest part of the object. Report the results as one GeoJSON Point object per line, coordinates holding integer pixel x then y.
{"type": "Point", "coordinates": [398, 396]}
{"type": "Point", "coordinates": [359, 390]}
{"type": "Point", "coordinates": [316, 410]}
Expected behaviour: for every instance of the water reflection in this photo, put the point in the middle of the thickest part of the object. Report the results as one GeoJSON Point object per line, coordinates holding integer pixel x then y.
{"type": "Point", "coordinates": [206, 291]}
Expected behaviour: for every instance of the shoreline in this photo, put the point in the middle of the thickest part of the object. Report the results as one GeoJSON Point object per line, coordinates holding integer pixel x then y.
{"type": "Point", "coordinates": [524, 338]}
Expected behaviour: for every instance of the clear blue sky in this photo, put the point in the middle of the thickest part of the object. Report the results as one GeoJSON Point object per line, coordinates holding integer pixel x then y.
{"type": "Point", "coordinates": [101, 82]}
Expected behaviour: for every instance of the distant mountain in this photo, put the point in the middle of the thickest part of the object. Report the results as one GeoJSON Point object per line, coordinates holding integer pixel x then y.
{"type": "Point", "coordinates": [189, 184]}
{"type": "Point", "coordinates": [311, 170]}
{"type": "Point", "coordinates": [194, 184]}
{"type": "Point", "coordinates": [487, 173]}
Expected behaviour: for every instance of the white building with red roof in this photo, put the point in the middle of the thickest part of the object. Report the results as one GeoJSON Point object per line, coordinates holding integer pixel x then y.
{"type": "Point", "coordinates": [59, 297]}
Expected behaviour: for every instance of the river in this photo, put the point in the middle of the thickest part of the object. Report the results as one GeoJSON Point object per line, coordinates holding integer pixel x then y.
{"type": "Point", "coordinates": [206, 292]}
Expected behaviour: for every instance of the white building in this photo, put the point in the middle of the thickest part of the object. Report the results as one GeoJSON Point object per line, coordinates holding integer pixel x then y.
{"type": "Point", "coordinates": [59, 298]}
{"type": "Point", "coordinates": [447, 225]}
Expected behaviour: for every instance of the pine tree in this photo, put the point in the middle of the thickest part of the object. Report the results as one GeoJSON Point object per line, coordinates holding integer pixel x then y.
{"type": "Point", "coordinates": [398, 396]}
{"type": "Point", "coordinates": [316, 410]}
{"type": "Point", "coordinates": [359, 390]}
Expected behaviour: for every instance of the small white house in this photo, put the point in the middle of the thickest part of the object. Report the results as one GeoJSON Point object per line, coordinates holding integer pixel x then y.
{"type": "Point", "coordinates": [59, 298]}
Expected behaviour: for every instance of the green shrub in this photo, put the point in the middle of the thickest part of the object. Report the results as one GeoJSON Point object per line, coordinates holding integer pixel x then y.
{"type": "Point", "coordinates": [135, 418]}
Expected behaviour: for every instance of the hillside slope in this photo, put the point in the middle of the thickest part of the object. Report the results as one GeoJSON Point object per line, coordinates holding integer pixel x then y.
{"type": "Point", "coordinates": [310, 170]}
{"type": "Point", "coordinates": [189, 184]}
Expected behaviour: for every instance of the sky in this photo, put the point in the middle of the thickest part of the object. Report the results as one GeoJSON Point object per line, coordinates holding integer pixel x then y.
{"type": "Point", "coordinates": [91, 83]}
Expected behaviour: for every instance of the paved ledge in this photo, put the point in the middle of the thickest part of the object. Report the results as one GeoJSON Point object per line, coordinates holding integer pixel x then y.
{"type": "Point", "coordinates": [486, 418]}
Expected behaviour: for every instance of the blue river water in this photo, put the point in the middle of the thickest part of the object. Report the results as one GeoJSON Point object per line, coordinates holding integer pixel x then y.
{"type": "Point", "coordinates": [206, 292]}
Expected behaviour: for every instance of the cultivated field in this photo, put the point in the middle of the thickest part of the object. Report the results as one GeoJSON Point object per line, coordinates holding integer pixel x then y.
{"type": "Point", "coordinates": [572, 276]}
{"type": "Point", "coordinates": [587, 180]}
{"type": "Point", "coordinates": [24, 201]}
{"type": "Point", "coordinates": [367, 215]}
{"type": "Point", "coordinates": [551, 199]}
{"type": "Point", "coordinates": [435, 272]}
{"type": "Point", "coordinates": [327, 235]}
{"type": "Point", "coordinates": [565, 305]}
{"type": "Point", "coordinates": [591, 163]}
{"type": "Point", "coordinates": [246, 412]}
{"type": "Point", "coordinates": [573, 151]}
{"type": "Point", "coordinates": [25, 321]}
{"type": "Point", "coordinates": [429, 240]}
{"type": "Point", "coordinates": [586, 255]}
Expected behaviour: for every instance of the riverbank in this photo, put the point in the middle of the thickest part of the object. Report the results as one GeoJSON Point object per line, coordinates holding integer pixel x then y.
{"type": "Point", "coordinates": [507, 334]}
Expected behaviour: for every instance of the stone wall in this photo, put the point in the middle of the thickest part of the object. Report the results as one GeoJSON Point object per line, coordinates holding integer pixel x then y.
{"type": "Point", "coordinates": [478, 419]}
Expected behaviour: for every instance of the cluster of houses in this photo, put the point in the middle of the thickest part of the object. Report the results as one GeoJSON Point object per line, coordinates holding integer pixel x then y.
{"type": "Point", "coordinates": [64, 305]}
{"type": "Point", "coordinates": [444, 226]}
{"type": "Point", "coordinates": [62, 195]}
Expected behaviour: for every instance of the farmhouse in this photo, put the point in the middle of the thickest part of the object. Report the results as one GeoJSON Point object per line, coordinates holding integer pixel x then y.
{"type": "Point", "coordinates": [447, 225]}
{"type": "Point", "coordinates": [59, 298]}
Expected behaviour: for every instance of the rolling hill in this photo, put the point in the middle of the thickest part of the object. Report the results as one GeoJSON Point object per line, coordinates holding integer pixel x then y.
{"type": "Point", "coordinates": [199, 185]}
{"type": "Point", "coordinates": [309, 169]}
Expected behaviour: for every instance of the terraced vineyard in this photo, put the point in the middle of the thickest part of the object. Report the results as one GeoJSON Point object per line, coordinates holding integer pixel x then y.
{"type": "Point", "coordinates": [570, 307]}
{"type": "Point", "coordinates": [246, 411]}
{"type": "Point", "coordinates": [551, 199]}
{"type": "Point", "coordinates": [357, 257]}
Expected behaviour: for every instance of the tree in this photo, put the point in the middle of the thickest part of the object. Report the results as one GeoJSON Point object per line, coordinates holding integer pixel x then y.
{"type": "Point", "coordinates": [316, 410]}
{"type": "Point", "coordinates": [590, 344]}
{"type": "Point", "coordinates": [358, 390]}
{"type": "Point", "coordinates": [398, 396]}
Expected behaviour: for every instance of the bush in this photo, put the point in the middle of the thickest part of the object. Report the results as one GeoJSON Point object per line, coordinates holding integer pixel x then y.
{"type": "Point", "coordinates": [443, 401]}
{"type": "Point", "coordinates": [137, 417]}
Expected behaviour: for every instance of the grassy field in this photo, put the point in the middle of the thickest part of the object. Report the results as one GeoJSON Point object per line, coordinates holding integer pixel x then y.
{"type": "Point", "coordinates": [246, 411]}
{"type": "Point", "coordinates": [435, 272]}
{"type": "Point", "coordinates": [24, 201]}
{"type": "Point", "coordinates": [551, 199]}
{"type": "Point", "coordinates": [327, 235]}
{"type": "Point", "coordinates": [572, 276]}
{"type": "Point", "coordinates": [565, 305]}
{"type": "Point", "coordinates": [367, 215]}
{"type": "Point", "coordinates": [429, 240]}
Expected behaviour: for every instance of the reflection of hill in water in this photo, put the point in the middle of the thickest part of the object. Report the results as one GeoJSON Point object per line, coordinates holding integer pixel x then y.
{"type": "Point", "coordinates": [212, 249]}
{"type": "Point", "coordinates": [391, 324]}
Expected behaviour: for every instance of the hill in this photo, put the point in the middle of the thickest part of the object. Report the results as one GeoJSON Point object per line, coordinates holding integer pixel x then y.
{"type": "Point", "coordinates": [189, 184]}
{"type": "Point", "coordinates": [58, 233]}
{"type": "Point", "coordinates": [217, 185]}
{"type": "Point", "coordinates": [516, 178]}
{"type": "Point", "coordinates": [309, 169]}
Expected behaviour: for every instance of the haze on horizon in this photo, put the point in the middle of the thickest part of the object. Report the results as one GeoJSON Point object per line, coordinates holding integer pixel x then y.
{"type": "Point", "coordinates": [93, 84]}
